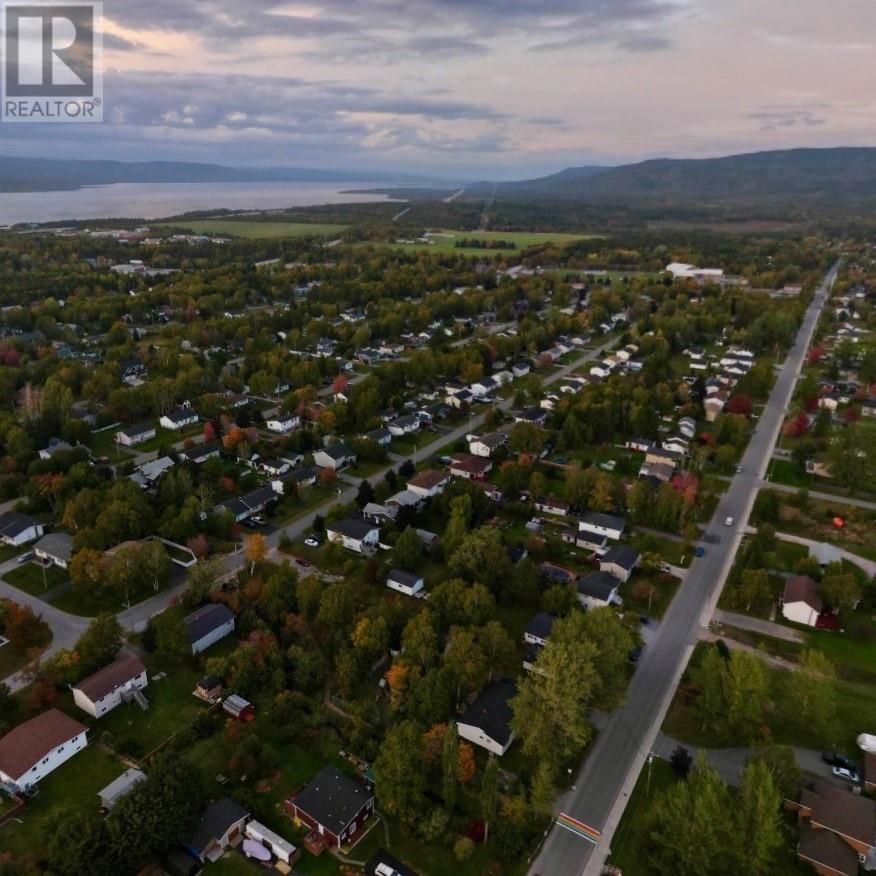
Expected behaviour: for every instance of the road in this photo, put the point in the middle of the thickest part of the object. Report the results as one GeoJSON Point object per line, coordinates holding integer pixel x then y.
{"type": "Point", "coordinates": [66, 628]}
{"type": "Point", "coordinates": [609, 774]}
{"type": "Point", "coordinates": [757, 625]}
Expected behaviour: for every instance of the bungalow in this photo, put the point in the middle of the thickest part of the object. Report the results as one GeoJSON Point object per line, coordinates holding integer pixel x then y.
{"type": "Point", "coordinates": [837, 829]}
{"type": "Point", "coordinates": [334, 806]}
{"type": "Point", "coordinates": [713, 406]}
{"type": "Point", "coordinates": [536, 416]}
{"type": "Point", "coordinates": [109, 687]}
{"type": "Point", "coordinates": [459, 399]}
{"type": "Point", "coordinates": [244, 507]}
{"type": "Point", "coordinates": [283, 423]}
{"type": "Point", "coordinates": [535, 637]}
{"type": "Point", "coordinates": [148, 473]}
{"type": "Point", "coordinates": [405, 425]}
{"type": "Point", "coordinates": [219, 828]}
{"type": "Point", "coordinates": [378, 514]}
{"type": "Point", "coordinates": [208, 625]}
{"type": "Point", "coordinates": [30, 751]}
{"type": "Point", "coordinates": [548, 505]}
{"type": "Point", "coordinates": [483, 387]}
{"type": "Point", "coordinates": [17, 529]}
{"type": "Point", "coordinates": [620, 561]}
{"type": "Point", "coordinates": [133, 435]}
{"type": "Point", "coordinates": [358, 536]}
{"type": "Point", "coordinates": [428, 483]}
{"type": "Point", "coordinates": [801, 601]}
{"type": "Point", "coordinates": [54, 446]}
{"type": "Point", "coordinates": [381, 436]}
{"type": "Point", "coordinates": [116, 789]}
{"type": "Point", "coordinates": [662, 455]}
{"type": "Point", "coordinates": [406, 499]}
{"type": "Point", "coordinates": [597, 589]}
{"type": "Point", "coordinates": [56, 547]}
{"type": "Point", "coordinates": [471, 468]}
{"type": "Point", "coordinates": [487, 721]}
{"type": "Point", "coordinates": [178, 419]}
{"type": "Point", "coordinates": [405, 582]}
{"type": "Point", "coordinates": [274, 467]}
{"type": "Point", "coordinates": [200, 453]}
{"type": "Point", "coordinates": [608, 525]}
{"type": "Point", "coordinates": [677, 444]}
{"type": "Point", "coordinates": [657, 472]}
{"type": "Point", "coordinates": [487, 445]}
{"type": "Point", "coordinates": [336, 456]}
{"type": "Point", "coordinates": [520, 369]}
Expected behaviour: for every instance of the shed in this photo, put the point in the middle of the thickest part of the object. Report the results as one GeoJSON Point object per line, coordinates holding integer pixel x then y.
{"type": "Point", "coordinates": [278, 847]}
{"type": "Point", "coordinates": [238, 708]}
{"type": "Point", "coordinates": [117, 788]}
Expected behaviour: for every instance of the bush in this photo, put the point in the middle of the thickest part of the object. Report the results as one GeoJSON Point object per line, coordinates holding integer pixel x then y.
{"type": "Point", "coordinates": [463, 848]}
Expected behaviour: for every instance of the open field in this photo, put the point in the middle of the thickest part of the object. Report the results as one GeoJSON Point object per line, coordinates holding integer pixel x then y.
{"type": "Point", "coordinates": [444, 242]}
{"type": "Point", "coordinates": [250, 229]}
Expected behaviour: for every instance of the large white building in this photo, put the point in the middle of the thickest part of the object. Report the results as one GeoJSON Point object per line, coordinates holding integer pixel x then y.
{"type": "Point", "coordinates": [30, 751]}
{"type": "Point", "coordinates": [109, 687]}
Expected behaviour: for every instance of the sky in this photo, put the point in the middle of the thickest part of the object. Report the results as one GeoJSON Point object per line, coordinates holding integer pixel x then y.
{"type": "Point", "coordinates": [471, 89]}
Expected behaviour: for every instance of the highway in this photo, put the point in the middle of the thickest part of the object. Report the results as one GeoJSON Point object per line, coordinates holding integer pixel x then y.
{"type": "Point", "coordinates": [609, 773]}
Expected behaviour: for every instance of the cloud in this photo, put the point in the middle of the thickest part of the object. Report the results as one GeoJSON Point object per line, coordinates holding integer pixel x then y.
{"type": "Point", "coordinates": [772, 118]}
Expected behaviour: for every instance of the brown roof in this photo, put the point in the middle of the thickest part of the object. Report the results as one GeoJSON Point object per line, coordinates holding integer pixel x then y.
{"type": "Point", "coordinates": [472, 464]}
{"type": "Point", "coordinates": [802, 589]}
{"type": "Point", "coordinates": [840, 811]}
{"type": "Point", "coordinates": [827, 849]}
{"type": "Point", "coordinates": [427, 479]}
{"type": "Point", "coordinates": [869, 769]}
{"type": "Point", "coordinates": [106, 680]}
{"type": "Point", "coordinates": [30, 742]}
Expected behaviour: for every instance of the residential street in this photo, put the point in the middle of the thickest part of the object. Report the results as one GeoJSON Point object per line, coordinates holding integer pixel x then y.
{"type": "Point", "coordinates": [609, 774]}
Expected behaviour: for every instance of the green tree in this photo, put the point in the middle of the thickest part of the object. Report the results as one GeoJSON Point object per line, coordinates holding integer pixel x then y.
{"type": "Point", "coordinates": [613, 641]}
{"type": "Point", "coordinates": [753, 588]}
{"type": "Point", "coordinates": [100, 643]}
{"type": "Point", "coordinates": [171, 635]}
{"type": "Point", "coordinates": [450, 767]}
{"type": "Point", "coordinates": [398, 771]}
{"type": "Point", "coordinates": [489, 793]}
{"type": "Point", "coordinates": [780, 760]}
{"type": "Point", "coordinates": [77, 841]}
{"type": "Point", "coordinates": [840, 589]}
{"type": "Point", "coordinates": [420, 640]}
{"type": "Point", "coordinates": [811, 696]}
{"type": "Point", "coordinates": [408, 550]}
{"type": "Point", "coordinates": [758, 820]}
{"type": "Point", "coordinates": [745, 691]}
{"type": "Point", "coordinates": [709, 679]}
{"type": "Point", "coordinates": [482, 557]}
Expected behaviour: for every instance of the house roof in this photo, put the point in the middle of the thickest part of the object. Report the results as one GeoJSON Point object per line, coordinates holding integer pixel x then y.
{"type": "Point", "coordinates": [337, 451]}
{"type": "Point", "coordinates": [120, 786]}
{"type": "Point", "coordinates": [470, 464]}
{"type": "Point", "coordinates": [622, 555]}
{"type": "Point", "coordinates": [836, 809]}
{"type": "Point", "coordinates": [352, 528]}
{"type": "Point", "coordinates": [214, 823]}
{"type": "Point", "coordinates": [606, 521]}
{"type": "Point", "coordinates": [802, 588]}
{"type": "Point", "coordinates": [30, 742]}
{"type": "Point", "coordinates": [12, 523]}
{"type": "Point", "coordinates": [491, 710]}
{"type": "Point", "coordinates": [140, 429]}
{"type": "Point", "coordinates": [181, 415]}
{"type": "Point", "coordinates": [200, 451]}
{"type": "Point", "coordinates": [56, 544]}
{"type": "Point", "coordinates": [828, 850]}
{"type": "Point", "coordinates": [491, 440]}
{"type": "Point", "coordinates": [333, 799]}
{"type": "Point", "coordinates": [427, 479]}
{"type": "Point", "coordinates": [598, 585]}
{"type": "Point", "coordinates": [106, 680]}
{"type": "Point", "coordinates": [541, 625]}
{"type": "Point", "coordinates": [406, 579]}
{"type": "Point", "coordinates": [206, 619]}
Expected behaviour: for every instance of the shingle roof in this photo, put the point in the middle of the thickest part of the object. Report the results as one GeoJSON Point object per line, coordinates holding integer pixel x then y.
{"type": "Point", "coordinates": [215, 821]}
{"type": "Point", "coordinates": [802, 588]}
{"type": "Point", "coordinates": [427, 479]}
{"type": "Point", "coordinates": [491, 710]}
{"type": "Point", "coordinates": [12, 523]}
{"type": "Point", "coordinates": [56, 544]}
{"type": "Point", "coordinates": [106, 680]}
{"type": "Point", "coordinates": [840, 811]}
{"type": "Point", "coordinates": [541, 625]}
{"type": "Point", "coordinates": [333, 799]}
{"type": "Point", "coordinates": [206, 619]}
{"type": "Point", "coordinates": [826, 848]}
{"type": "Point", "coordinates": [598, 585]}
{"type": "Point", "coordinates": [621, 555]}
{"type": "Point", "coordinates": [606, 521]}
{"type": "Point", "coordinates": [406, 579]}
{"type": "Point", "coordinates": [30, 742]}
{"type": "Point", "coordinates": [352, 528]}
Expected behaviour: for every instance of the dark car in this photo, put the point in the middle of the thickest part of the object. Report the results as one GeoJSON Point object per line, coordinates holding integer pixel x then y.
{"type": "Point", "coordinates": [699, 551]}
{"type": "Point", "coordinates": [834, 758]}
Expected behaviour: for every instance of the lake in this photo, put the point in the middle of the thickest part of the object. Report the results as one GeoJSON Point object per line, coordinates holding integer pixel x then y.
{"type": "Point", "coordinates": [157, 200]}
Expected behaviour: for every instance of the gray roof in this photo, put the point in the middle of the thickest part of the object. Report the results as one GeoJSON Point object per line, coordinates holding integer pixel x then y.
{"type": "Point", "coordinates": [56, 544]}
{"type": "Point", "coordinates": [338, 451]}
{"type": "Point", "coordinates": [541, 625]}
{"type": "Point", "coordinates": [206, 619]}
{"type": "Point", "coordinates": [12, 523]}
{"type": "Point", "coordinates": [352, 528]}
{"type": "Point", "coordinates": [214, 823]}
{"type": "Point", "coordinates": [622, 555]}
{"type": "Point", "coordinates": [333, 799]}
{"type": "Point", "coordinates": [606, 521]}
{"type": "Point", "coordinates": [406, 579]}
{"type": "Point", "coordinates": [491, 710]}
{"type": "Point", "coordinates": [598, 585]}
{"type": "Point", "coordinates": [120, 786]}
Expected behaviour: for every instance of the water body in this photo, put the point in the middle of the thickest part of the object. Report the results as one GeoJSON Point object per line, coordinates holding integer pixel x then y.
{"type": "Point", "coordinates": [156, 200]}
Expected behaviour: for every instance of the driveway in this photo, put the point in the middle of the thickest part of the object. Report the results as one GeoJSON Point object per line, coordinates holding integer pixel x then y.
{"type": "Point", "coordinates": [756, 625]}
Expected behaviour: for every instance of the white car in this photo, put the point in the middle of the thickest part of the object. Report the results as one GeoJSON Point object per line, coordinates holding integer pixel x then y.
{"type": "Point", "coordinates": [845, 775]}
{"type": "Point", "coordinates": [728, 521]}
{"type": "Point", "coordinates": [738, 469]}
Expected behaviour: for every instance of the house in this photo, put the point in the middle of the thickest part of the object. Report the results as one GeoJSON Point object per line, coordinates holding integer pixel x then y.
{"type": "Point", "coordinates": [244, 507]}
{"type": "Point", "coordinates": [134, 435]}
{"type": "Point", "coordinates": [713, 406]}
{"type": "Point", "coordinates": [178, 419]}
{"type": "Point", "coordinates": [620, 561]}
{"type": "Point", "coordinates": [209, 689]}
{"type": "Point", "coordinates": [471, 468]}
{"type": "Point", "coordinates": [656, 472]}
{"type": "Point", "coordinates": [520, 369]}
{"type": "Point", "coordinates": [380, 436]}
{"type": "Point", "coordinates": [274, 467]}
{"type": "Point", "coordinates": [238, 708]}
{"type": "Point", "coordinates": [200, 453]}
{"type": "Point", "coordinates": [117, 788]}
{"type": "Point", "coordinates": [283, 423]}
{"type": "Point", "coordinates": [640, 444]}
{"type": "Point", "coordinates": [428, 483]}
{"type": "Point", "coordinates": [552, 506]}
{"type": "Point", "coordinates": [677, 444]}
{"type": "Point", "coordinates": [598, 589]}
{"type": "Point", "coordinates": [378, 514]}
{"type": "Point", "coordinates": [405, 582]}
{"type": "Point", "coordinates": [56, 547]}
{"type": "Point", "coordinates": [535, 637]}
{"type": "Point", "coordinates": [405, 425]}
{"type": "Point", "coordinates": [687, 426]}
{"type": "Point", "coordinates": [30, 751]}
{"type": "Point", "coordinates": [487, 445]}
{"type": "Point", "coordinates": [334, 806]}
{"type": "Point", "coordinates": [358, 536]}
{"type": "Point", "coordinates": [219, 828]}
{"type": "Point", "coordinates": [594, 523]}
{"type": "Point", "coordinates": [17, 529]}
{"type": "Point", "coordinates": [336, 456]}
{"type": "Point", "coordinates": [837, 828]}
{"type": "Point", "coordinates": [662, 455]}
{"type": "Point", "coordinates": [801, 601]}
{"type": "Point", "coordinates": [54, 446]}
{"type": "Point", "coordinates": [208, 624]}
{"type": "Point", "coordinates": [536, 416]}
{"type": "Point", "coordinates": [405, 499]}
{"type": "Point", "coordinates": [487, 721]}
{"type": "Point", "coordinates": [148, 473]}
{"type": "Point", "coordinates": [107, 688]}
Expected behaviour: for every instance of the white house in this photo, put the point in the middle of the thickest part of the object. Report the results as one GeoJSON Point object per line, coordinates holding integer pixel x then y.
{"type": "Point", "coordinates": [133, 435]}
{"type": "Point", "coordinates": [608, 525]}
{"type": "Point", "coordinates": [405, 582]}
{"type": "Point", "coordinates": [107, 688]}
{"type": "Point", "coordinates": [487, 445]}
{"type": "Point", "coordinates": [801, 601]}
{"type": "Point", "coordinates": [208, 624]}
{"type": "Point", "coordinates": [620, 561]}
{"type": "Point", "coordinates": [30, 751]}
{"type": "Point", "coordinates": [336, 456]}
{"type": "Point", "coordinates": [358, 536]}
{"type": "Point", "coordinates": [548, 505]}
{"type": "Point", "coordinates": [178, 419]}
{"type": "Point", "coordinates": [487, 721]}
{"type": "Point", "coordinates": [56, 547]}
{"type": "Point", "coordinates": [18, 529]}
{"type": "Point", "coordinates": [598, 589]}
{"type": "Point", "coordinates": [428, 483]}
{"type": "Point", "coordinates": [283, 423]}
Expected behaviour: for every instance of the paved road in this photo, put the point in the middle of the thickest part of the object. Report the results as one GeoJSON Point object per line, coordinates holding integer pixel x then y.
{"type": "Point", "coordinates": [609, 774]}
{"type": "Point", "coordinates": [756, 625]}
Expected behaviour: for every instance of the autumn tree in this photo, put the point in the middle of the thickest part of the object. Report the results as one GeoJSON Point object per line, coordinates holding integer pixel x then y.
{"type": "Point", "coordinates": [255, 549]}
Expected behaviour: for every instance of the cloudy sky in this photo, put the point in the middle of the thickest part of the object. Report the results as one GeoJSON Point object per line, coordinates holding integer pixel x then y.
{"type": "Point", "coordinates": [472, 88]}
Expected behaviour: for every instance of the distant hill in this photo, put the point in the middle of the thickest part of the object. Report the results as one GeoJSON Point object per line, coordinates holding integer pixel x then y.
{"type": "Point", "coordinates": [804, 177]}
{"type": "Point", "coordinates": [46, 174]}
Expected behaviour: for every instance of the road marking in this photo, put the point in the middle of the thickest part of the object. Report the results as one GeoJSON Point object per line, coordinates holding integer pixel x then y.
{"type": "Point", "coordinates": [591, 834]}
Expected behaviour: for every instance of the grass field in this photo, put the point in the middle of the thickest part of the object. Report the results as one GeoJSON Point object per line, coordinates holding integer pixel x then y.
{"type": "Point", "coordinates": [251, 229]}
{"type": "Point", "coordinates": [29, 578]}
{"type": "Point", "coordinates": [444, 242]}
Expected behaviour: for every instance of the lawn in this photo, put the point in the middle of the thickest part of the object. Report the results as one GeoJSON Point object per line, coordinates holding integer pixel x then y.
{"type": "Point", "coordinates": [660, 591]}
{"type": "Point", "coordinates": [73, 786]}
{"type": "Point", "coordinates": [12, 658]}
{"type": "Point", "coordinates": [35, 579]}
{"type": "Point", "coordinates": [290, 508]}
{"type": "Point", "coordinates": [444, 242]}
{"type": "Point", "coordinates": [265, 230]}
{"type": "Point", "coordinates": [670, 551]}
{"type": "Point", "coordinates": [169, 437]}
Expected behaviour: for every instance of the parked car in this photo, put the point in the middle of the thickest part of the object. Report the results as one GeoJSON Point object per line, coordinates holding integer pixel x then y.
{"type": "Point", "coordinates": [699, 551]}
{"type": "Point", "coordinates": [835, 759]}
{"type": "Point", "coordinates": [845, 775]}
{"type": "Point", "coordinates": [25, 557]}
{"type": "Point", "coordinates": [306, 564]}
{"type": "Point", "coordinates": [728, 521]}
{"type": "Point", "coordinates": [314, 540]}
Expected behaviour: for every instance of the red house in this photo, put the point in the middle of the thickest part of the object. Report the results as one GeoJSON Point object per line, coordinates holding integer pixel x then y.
{"type": "Point", "coordinates": [334, 806]}
{"type": "Point", "coordinates": [472, 468]}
